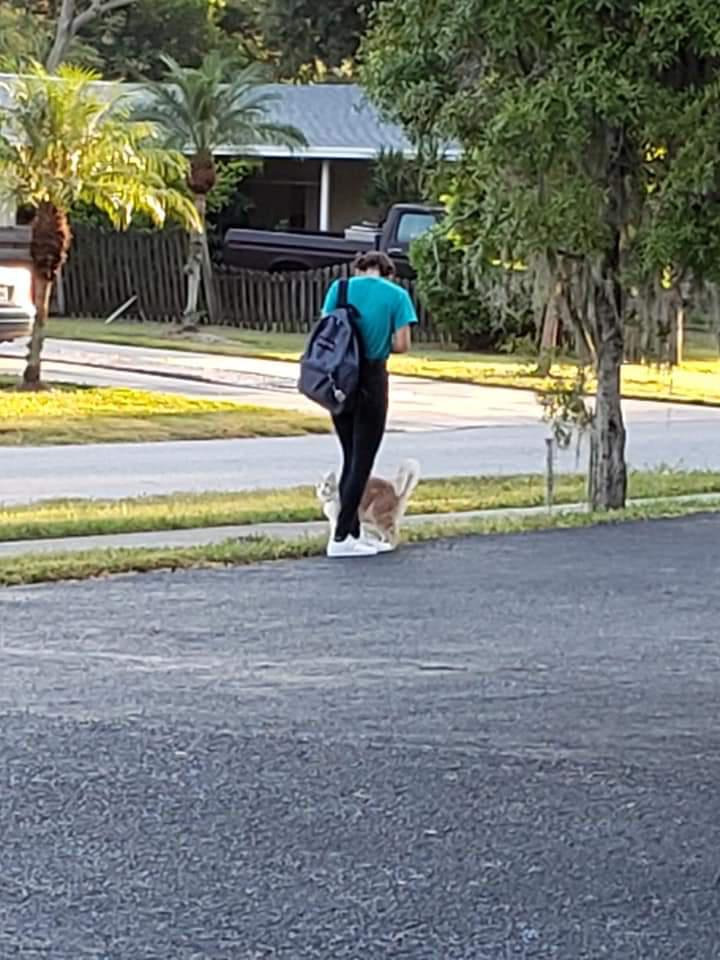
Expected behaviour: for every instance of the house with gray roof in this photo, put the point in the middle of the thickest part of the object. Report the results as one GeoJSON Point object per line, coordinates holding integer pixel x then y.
{"type": "Point", "coordinates": [320, 186]}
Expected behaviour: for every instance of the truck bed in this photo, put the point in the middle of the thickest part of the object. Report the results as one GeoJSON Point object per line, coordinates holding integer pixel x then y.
{"type": "Point", "coordinates": [305, 250]}
{"type": "Point", "coordinates": [278, 250]}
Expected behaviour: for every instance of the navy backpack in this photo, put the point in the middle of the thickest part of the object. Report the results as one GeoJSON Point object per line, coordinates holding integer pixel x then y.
{"type": "Point", "coordinates": [330, 365]}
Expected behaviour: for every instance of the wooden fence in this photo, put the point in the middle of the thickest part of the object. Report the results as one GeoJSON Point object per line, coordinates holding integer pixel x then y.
{"type": "Point", "coordinates": [106, 269]}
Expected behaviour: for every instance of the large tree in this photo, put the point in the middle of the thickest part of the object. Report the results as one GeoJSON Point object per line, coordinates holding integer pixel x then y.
{"type": "Point", "coordinates": [591, 136]}
{"type": "Point", "coordinates": [199, 110]}
{"type": "Point", "coordinates": [60, 144]}
{"type": "Point", "coordinates": [131, 41]}
{"type": "Point", "coordinates": [122, 38]}
{"type": "Point", "coordinates": [73, 17]}
{"type": "Point", "coordinates": [305, 33]}
{"type": "Point", "coordinates": [297, 39]}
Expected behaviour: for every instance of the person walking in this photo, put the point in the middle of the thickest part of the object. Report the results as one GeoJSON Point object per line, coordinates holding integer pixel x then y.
{"type": "Point", "coordinates": [385, 314]}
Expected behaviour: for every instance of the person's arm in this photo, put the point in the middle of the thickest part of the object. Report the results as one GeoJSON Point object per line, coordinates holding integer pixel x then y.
{"type": "Point", "coordinates": [403, 319]}
{"type": "Point", "coordinates": [402, 340]}
{"type": "Point", "coordinates": [331, 299]}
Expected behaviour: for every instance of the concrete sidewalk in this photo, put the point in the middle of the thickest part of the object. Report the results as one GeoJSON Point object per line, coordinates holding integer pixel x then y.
{"type": "Point", "coordinates": [417, 404]}
{"type": "Point", "coordinates": [206, 536]}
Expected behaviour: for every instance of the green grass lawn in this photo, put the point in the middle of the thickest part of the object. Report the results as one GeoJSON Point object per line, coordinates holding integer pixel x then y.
{"type": "Point", "coordinates": [38, 568]}
{"type": "Point", "coordinates": [66, 518]}
{"type": "Point", "coordinates": [66, 413]}
{"type": "Point", "coordinates": [228, 341]}
{"type": "Point", "coordinates": [696, 381]}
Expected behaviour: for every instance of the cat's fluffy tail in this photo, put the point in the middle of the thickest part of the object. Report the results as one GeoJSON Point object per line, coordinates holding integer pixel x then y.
{"type": "Point", "coordinates": [408, 477]}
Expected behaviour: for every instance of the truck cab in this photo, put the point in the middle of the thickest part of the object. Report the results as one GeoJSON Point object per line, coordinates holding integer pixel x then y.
{"type": "Point", "coordinates": [405, 223]}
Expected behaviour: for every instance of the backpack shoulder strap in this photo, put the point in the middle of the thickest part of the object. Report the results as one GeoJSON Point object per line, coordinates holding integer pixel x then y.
{"type": "Point", "coordinates": [343, 303]}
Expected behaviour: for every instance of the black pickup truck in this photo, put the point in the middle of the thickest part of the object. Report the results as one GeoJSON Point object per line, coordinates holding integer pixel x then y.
{"type": "Point", "coordinates": [299, 250]}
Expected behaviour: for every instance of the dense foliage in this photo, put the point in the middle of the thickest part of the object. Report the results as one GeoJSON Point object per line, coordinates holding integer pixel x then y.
{"type": "Point", "coordinates": [297, 39]}
{"type": "Point", "coordinates": [591, 152]}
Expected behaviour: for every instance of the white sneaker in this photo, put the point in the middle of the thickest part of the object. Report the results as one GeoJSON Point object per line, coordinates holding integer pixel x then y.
{"type": "Point", "coordinates": [380, 546]}
{"type": "Point", "coordinates": [350, 547]}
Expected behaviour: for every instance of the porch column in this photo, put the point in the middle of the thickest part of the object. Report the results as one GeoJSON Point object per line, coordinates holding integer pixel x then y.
{"type": "Point", "coordinates": [7, 212]}
{"type": "Point", "coordinates": [325, 195]}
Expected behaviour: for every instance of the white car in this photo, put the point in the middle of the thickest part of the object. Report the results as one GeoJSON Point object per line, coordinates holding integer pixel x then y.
{"type": "Point", "coordinates": [17, 314]}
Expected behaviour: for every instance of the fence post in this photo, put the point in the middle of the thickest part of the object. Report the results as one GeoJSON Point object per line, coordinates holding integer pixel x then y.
{"type": "Point", "coordinates": [549, 473]}
{"type": "Point", "coordinates": [592, 470]}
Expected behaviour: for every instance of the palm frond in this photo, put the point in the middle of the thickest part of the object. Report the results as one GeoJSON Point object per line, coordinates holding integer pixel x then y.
{"type": "Point", "coordinates": [62, 142]}
{"type": "Point", "coordinates": [206, 107]}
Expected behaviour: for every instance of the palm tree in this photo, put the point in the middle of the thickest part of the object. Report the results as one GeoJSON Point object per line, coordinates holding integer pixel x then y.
{"type": "Point", "coordinates": [199, 112]}
{"type": "Point", "coordinates": [60, 144]}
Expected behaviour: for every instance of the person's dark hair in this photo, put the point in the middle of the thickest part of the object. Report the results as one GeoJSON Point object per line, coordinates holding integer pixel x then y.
{"type": "Point", "coordinates": [374, 260]}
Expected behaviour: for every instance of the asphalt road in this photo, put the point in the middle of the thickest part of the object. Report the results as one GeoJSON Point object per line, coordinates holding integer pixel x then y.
{"type": "Point", "coordinates": [125, 470]}
{"type": "Point", "coordinates": [484, 749]}
{"type": "Point", "coordinates": [452, 428]}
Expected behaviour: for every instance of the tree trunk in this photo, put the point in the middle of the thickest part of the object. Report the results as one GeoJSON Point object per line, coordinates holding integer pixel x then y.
{"type": "Point", "coordinates": [208, 284]}
{"type": "Point", "coordinates": [551, 322]}
{"type": "Point", "coordinates": [43, 291]}
{"type": "Point", "coordinates": [193, 273]}
{"type": "Point", "coordinates": [48, 250]}
{"type": "Point", "coordinates": [199, 267]}
{"type": "Point", "coordinates": [609, 483]}
{"type": "Point", "coordinates": [60, 292]}
{"type": "Point", "coordinates": [677, 333]}
{"type": "Point", "coordinates": [64, 35]}
{"type": "Point", "coordinates": [70, 23]}
{"type": "Point", "coordinates": [193, 270]}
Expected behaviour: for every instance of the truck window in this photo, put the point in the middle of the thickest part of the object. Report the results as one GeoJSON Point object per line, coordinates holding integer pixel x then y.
{"type": "Point", "coordinates": [412, 225]}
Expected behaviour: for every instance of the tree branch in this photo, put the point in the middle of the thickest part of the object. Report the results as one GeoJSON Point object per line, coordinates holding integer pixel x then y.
{"type": "Point", "coordinates": [98, 8]}
{"type": "Point", "coordinates": [63, 36]}
{"type": "Point", "coordinates": [70, 23]}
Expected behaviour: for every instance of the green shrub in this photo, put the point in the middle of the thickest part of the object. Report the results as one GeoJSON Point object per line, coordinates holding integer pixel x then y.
{"type": "Point", "coordinates": [484, 310]}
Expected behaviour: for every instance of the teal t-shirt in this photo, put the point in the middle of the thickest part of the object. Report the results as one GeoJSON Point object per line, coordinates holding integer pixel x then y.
{"type": "Point", "coordinates": [383, 306]}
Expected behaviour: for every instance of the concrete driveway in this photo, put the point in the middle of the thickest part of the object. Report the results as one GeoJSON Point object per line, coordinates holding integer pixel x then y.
{"type": "Point", "coordinates": [483, 749]}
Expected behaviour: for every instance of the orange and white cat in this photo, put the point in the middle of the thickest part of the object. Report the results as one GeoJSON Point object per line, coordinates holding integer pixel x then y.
{"type": "Point", "coordinates": [383, 504]}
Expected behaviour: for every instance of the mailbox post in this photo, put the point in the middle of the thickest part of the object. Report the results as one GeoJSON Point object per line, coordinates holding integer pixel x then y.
{"type": "Point", "coordinates": [17, 309]}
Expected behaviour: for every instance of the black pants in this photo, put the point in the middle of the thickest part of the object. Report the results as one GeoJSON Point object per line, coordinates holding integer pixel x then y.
{"type": "Point", "coordinates": [360, 431]}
